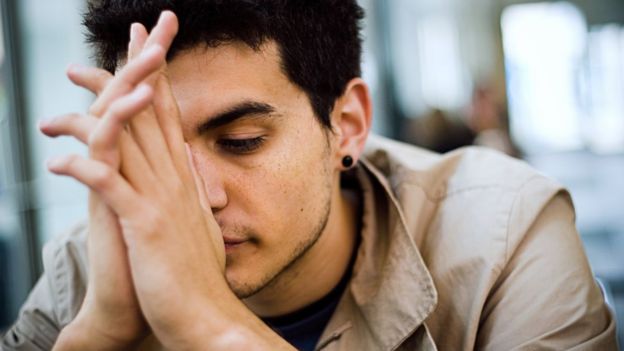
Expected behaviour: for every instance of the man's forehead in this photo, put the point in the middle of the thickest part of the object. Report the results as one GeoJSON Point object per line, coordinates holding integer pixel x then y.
{"type": "Point", "coordinates": [232, 79]}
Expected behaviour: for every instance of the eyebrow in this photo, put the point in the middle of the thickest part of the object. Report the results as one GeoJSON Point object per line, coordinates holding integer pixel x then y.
{"type": "Point", "coordinates": [239, 111]}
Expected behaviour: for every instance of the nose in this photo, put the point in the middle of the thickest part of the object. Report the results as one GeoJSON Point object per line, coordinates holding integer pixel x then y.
{"type": "Point", "coordinates": [212, 179]}
{"type": "Point", "coordinates": [215, 191]}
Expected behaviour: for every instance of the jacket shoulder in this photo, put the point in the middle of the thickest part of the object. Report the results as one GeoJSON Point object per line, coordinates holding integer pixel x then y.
{"type": "Point", "coordinates": [65, 265]}
{"type": "Point", "coordinates": [442, 175]}
{"type": "Point", "coordinates": [57, 296]}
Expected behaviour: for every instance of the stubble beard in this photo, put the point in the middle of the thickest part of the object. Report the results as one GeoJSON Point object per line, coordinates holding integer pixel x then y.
{"type": "Point", "coordinates": [247, 289]}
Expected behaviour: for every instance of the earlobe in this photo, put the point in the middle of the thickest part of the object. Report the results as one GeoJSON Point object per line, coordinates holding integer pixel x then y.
{"type": "Point", "coordinates": [347, 162]}
{"type": "Point", "coordinates": [352, 121]}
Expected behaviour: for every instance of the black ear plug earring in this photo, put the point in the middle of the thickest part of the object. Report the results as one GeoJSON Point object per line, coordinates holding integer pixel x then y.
{"type": "Point", "coordinates": [347, 161]}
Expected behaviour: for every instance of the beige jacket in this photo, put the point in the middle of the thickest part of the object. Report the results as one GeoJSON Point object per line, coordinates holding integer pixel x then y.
{"type": "Point", "coordinates": [469, 250]}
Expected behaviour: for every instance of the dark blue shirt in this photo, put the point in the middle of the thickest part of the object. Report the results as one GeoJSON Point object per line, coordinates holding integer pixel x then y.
{"type": "Point", "coordinates": [303, 328]}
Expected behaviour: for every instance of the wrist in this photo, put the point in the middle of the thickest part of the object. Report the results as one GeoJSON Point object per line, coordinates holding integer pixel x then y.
{"type": "Point", "coordinates": [239, 329]}
{"type": "Point", "coordinates": [83, 334]}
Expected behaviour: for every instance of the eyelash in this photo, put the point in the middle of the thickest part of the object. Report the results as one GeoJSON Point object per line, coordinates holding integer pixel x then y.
{"type": "Point", "coordinates": [241, 146]}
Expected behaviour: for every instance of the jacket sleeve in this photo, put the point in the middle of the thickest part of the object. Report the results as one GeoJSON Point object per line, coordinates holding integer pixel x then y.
{"type": "Point", "coordinates": [36, 328]}
{"type": "Point", "coordinates": [546, 297]}
{"type": "Point", "coordinates": [55, 299]}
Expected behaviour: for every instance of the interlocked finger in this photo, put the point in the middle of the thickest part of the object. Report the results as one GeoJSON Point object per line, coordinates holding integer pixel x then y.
{"type": "Point", "coordinates": [104, 141]}
{"type": "Point", "coordinates": [168, 115]}
{"type": "Point", "coordinates": [101, 178]}
{"type": "Point", "coordinates": [146, 128]}
{"type": "Point", "coordinates": [91, 78]}
{"type": "Point", "coordinates": [112, 144]}
{"type": "Point", "coordinates": [138, 37]}
{"type": "Point", "coordinates": [133, 73]}
{"type": "Point", "coordinates": [73, 124]}
{"type": "Point", "coordinates": [165, 30]}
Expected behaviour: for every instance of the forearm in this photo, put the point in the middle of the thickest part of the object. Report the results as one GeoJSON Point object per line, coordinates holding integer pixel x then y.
{"type": "Point", "coordinates": [82, 336]}
{"type": "Point", "coordinates": [240, 337]}
{"type": "Point", "coordinates": [228, 325]}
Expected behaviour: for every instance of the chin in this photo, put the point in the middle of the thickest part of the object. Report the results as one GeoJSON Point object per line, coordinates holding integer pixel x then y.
{"type": "Point", "coordinates": [241, 287]}
{"type": "Point", "coordinates": [242, 290]}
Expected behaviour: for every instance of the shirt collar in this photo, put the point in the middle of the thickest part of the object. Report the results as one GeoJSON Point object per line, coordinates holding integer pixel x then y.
{"type": "Point", "coordinates": [391, 292]}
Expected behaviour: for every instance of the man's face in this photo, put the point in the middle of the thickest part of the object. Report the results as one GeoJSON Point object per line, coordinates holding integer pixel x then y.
{"type": "Point", "coordinates": [263, 156]}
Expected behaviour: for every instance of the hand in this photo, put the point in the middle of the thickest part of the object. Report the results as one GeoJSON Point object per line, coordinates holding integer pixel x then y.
{"type": "Point", "coordinates": [174, 245]}
{"type": "Point", "coordinates": [111, 148]}
{"type": "Point", "coordinates": [110, 316]}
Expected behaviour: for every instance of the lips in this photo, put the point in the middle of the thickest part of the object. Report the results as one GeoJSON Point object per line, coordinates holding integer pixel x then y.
{"type": "Point", "coordinates": [232, 243]}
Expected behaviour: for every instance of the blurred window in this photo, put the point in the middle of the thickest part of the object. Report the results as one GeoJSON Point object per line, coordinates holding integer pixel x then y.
{"type": "Point", "coordinates": [605, 88]}
{"type": "Point", "coordinates": [565, 80]}
{"type": "Point", "coordinates": [440, 65]}
{"type": "Point", "coordinates": [544, 45]}
{"type": "Point", "coordinates": [50, 43]}
{"type": "Point", "coordinates": [427, 57]}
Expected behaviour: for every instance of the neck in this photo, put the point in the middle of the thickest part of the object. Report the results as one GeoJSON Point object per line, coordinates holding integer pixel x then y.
{"type": "Point", "coordinates": [316, 273]}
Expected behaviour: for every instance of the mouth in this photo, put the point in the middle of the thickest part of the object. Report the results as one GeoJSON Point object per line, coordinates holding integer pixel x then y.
{"type": "Point", "coordinates": [232, 243]}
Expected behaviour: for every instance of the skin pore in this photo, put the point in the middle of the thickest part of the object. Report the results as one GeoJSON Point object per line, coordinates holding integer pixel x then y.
{"type": "Point", "coordinates": [271, 172]}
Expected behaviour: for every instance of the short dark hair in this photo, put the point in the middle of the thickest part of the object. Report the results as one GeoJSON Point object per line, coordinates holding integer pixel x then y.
{"type": "Point", "coordinates": [319, 40]}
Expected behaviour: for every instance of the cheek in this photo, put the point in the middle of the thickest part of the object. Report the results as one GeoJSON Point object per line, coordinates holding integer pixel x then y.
{"type": "Point", "coordinates": [285, 195]}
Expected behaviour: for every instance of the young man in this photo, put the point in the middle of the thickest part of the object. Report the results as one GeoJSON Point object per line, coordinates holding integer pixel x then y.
{"type": "Point", "coordinates": [234, 205]}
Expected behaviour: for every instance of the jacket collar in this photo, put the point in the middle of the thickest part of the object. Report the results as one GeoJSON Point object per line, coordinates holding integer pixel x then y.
{"type": "Point", "coordinates": [391, 292]}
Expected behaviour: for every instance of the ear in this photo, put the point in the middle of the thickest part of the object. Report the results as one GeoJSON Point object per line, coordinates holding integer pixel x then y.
{"type": "Point", "coordinates": [351, 121]}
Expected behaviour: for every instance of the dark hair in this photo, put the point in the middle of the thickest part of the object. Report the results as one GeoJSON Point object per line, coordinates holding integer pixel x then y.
{"type": "Point", "coordinates": [318, 40]}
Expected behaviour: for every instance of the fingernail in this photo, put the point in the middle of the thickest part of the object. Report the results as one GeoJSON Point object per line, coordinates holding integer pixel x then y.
{"type": "Point", "coordinates": [133, 31]}
{"type": "Point", "coordinates": [162, 15]}
{"type": "Point", "coordinates": [42, 123]}
{"type": "Point", "coordinates": [73, 67]}
{"type": "Point", "coordinates": [53, 163]}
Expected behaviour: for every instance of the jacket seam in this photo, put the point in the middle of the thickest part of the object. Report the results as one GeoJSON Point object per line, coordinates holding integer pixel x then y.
{"type": "Point", "coordinates": [453, 192]}
{"type": "Point", "coordinates": [511, 211]}
{"type": "Point", "coordinates": [337, 334]}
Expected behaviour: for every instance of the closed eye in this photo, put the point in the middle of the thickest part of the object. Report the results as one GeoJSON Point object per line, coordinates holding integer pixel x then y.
{"type": "Point", "coordinates": [241, 146]}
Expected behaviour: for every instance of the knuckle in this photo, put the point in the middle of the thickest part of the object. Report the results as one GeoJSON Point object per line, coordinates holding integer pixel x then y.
{"type": "Point", "coordinates": [95, 109]}
{"type": "Point", "coordinates": [70, 162]}
{"type": "Point", "coordinates": [102, 179]}
{"type": "Point", "coordinates": [94, 142]}
{"type": "Point", "coordinates": [179, 188]}
{"type": "Point", "coordinates": [103, 77]}
{"type": "Point", "coordinates": [151, 223]}
{"type": "Point", "coordinates": [116, 109]}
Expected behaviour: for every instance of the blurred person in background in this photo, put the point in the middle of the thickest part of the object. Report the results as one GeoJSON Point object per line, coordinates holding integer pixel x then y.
{"type": "Point", "coordinates": [238, 202]}
{"type": "Point", "coordinates": [484, 123]}
{"type": "Point", "coordinates": [489, 121]}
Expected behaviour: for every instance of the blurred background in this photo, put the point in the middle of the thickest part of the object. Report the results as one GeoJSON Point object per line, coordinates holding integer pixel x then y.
{"type": "Point", "coordinates": [538, 80]}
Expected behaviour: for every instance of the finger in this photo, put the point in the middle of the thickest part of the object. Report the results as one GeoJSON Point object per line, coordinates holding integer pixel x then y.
{"type": "Point", "coordinates": [135, 167]}
{"type": "Point", "coordinates": [138, 37]}
{"type": "Point", "coordinates": [73, 124]}
{"type": "Point", "coordinates": [101, 178]}
{"type": "Point", "coordinates": [149, 137]}
{"type": "Point", "coordinates": [162, 34]}
{"type": "Point", "coordinates": [199, 182]}
{"type": "Point", "coordinates": [104, 141]}
{"type": "Point", "coordinates": [91, 78]}
{"type": "Point", "coordinates": [165, 30]}
{"type": "Point", "coordinates": [168, 114]}
{"type": "Point", "coordinates": [133, 73]}
{"type": "Point", "coordinates": [149, 133]}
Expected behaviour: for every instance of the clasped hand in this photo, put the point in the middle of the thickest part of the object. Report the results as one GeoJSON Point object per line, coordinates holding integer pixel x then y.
{"type": "Point", "coordinates": [155, 251]}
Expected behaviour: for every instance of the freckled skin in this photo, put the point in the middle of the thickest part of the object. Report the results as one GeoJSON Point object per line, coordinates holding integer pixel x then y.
{"type": "Point", "coordinates": [284, 198]}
